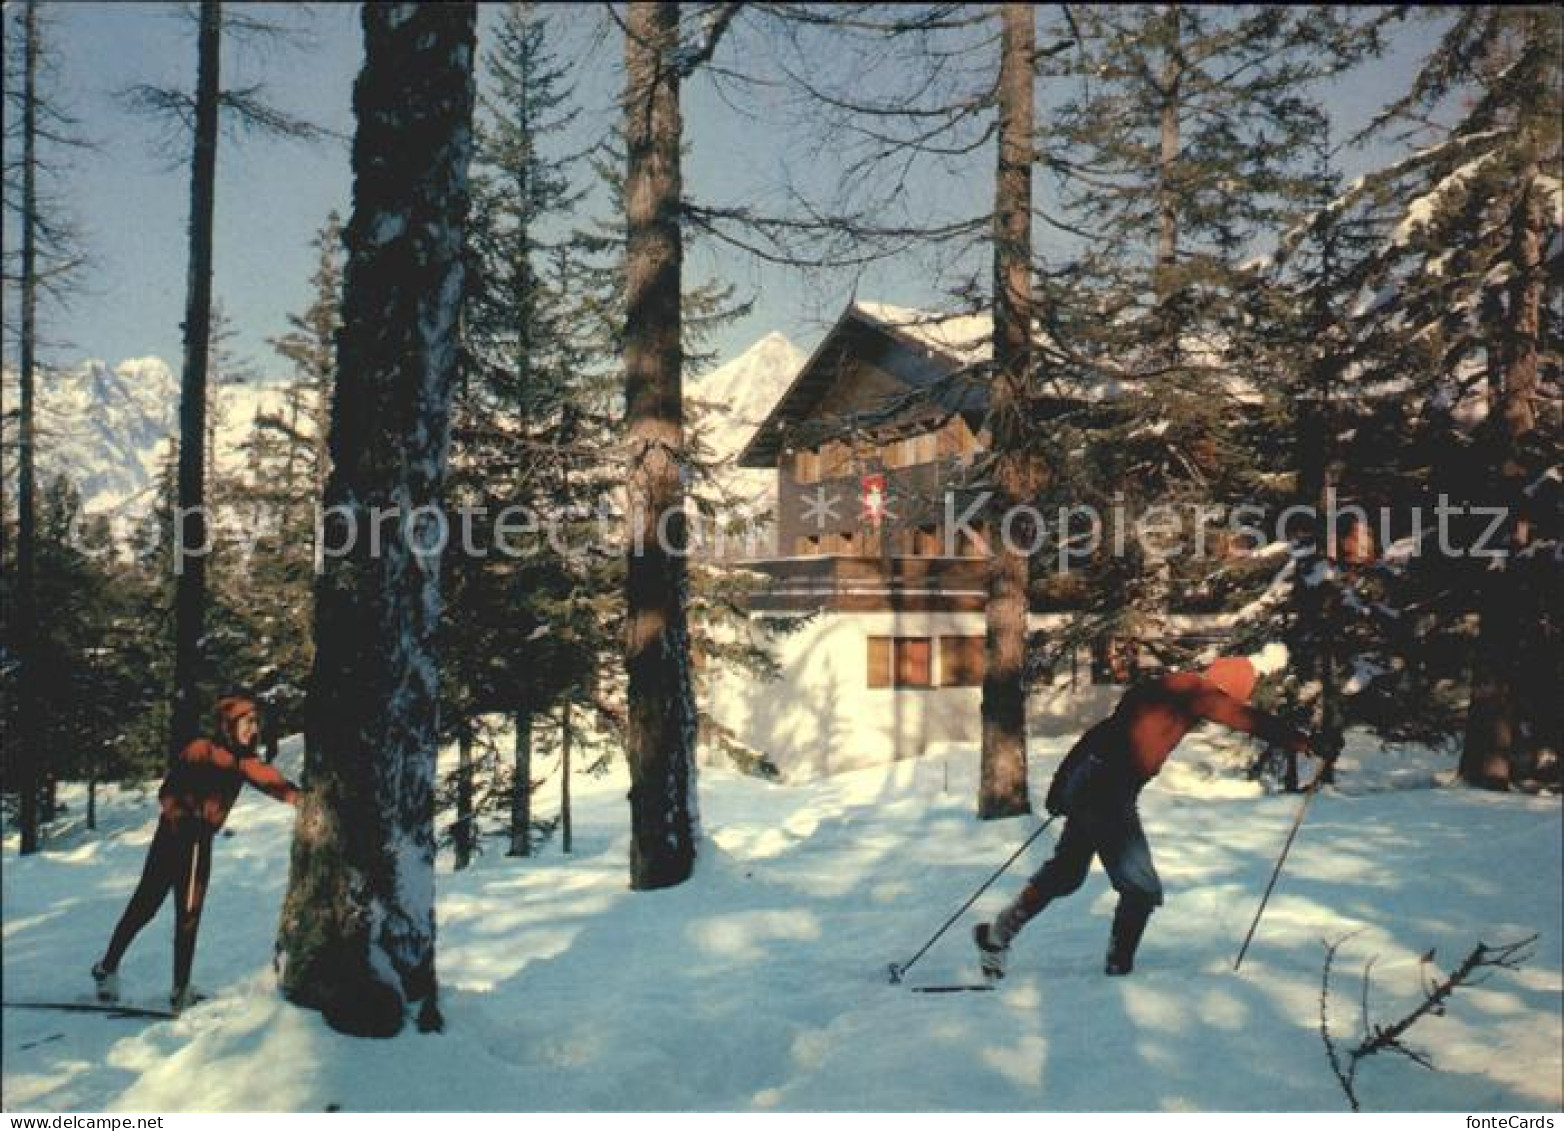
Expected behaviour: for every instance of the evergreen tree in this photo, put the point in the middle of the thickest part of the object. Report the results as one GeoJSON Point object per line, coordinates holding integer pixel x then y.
{"type": "Point", "coordinates": [199, 112]}
{"type": "Point", "coordinates": [285, 469]}
{"type": "Point", "coordinates": [660, 726]}
{"type": "Point", "coordinates": [1185, 139]}
{"type": "Point", "coordinates": [41, 264]}
{"type": "Point", "coordinates": [1003, 790]}
{"type": "Point", "coordinates": [518, 391]}
{"type": "Point", "coordinates": [1444, 300]}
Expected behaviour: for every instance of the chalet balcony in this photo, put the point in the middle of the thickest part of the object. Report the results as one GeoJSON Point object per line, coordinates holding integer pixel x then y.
{"type": "Point", "coordinates": [847, 583]}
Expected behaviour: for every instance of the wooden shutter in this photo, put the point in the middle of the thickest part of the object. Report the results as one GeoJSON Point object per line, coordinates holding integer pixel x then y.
{"type": "Point", "coordinates": [914, 661]}
{"type": "Point", "coordinates": [879, 661]}
{"type": "Point", "coordinates": [961, 661]}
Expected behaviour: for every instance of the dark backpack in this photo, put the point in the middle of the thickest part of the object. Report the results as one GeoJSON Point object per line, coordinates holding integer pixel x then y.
{"type": "Point", "coordinates": [1079, 777]}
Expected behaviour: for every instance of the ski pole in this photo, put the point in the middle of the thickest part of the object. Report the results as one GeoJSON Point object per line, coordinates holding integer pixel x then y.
{"type": "Point", "coordinates": [1308, 796]}
{"type": "Point", "coordinates": [899, 969]}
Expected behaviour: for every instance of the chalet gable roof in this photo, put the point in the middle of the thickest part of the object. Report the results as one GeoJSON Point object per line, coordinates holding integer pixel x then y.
{"type": "Point", "coordinates": [916, 349]}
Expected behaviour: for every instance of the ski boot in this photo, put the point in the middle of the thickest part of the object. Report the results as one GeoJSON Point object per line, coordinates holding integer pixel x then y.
{"type": "Point", "coordinates": [992, 954]}
{"type": "Point", "coordinates": [1129, 923]}
{"type": "Point", "coordinates": [183, 998]}
{"type": "Point", "coordinates": [106, 982]}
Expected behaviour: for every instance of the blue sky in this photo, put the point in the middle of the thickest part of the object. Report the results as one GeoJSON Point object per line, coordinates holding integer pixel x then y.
{"type": "Point", "coordinates": [130, 196]}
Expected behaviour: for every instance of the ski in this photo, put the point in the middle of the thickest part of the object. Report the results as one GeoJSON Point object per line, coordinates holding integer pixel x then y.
{"type": "Point", "coordinates": [953, 989]}
{"type": "Point", "coordinates": [111, 1009]}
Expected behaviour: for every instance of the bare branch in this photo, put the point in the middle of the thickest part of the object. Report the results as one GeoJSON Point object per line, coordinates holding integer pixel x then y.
{"type": "Point", "coordinates": [1376, 1038]}
{"type": "Point", "coordinates": [716, 21]}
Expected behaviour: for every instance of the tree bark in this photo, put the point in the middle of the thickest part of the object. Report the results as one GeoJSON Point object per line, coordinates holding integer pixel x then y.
{"type": "Point", "coordinates": [566, 730]}
{"type": "Point", "coordinates": [1493, 754]}
{"type": "Point", "coordinates": [27, 749]}
{"type": "Point", "coordinates": [660, 725]}
{"type": "Point", "coordinates": [463, 840]}
{"type": "Point", "coordinates": [521, 789]}
{"type": "Point", "coordinates": [191, 533]}
{"type": "Point", "coordinates": [357, 938]}
{"type": "Point", "coordinates": [1002, 790]}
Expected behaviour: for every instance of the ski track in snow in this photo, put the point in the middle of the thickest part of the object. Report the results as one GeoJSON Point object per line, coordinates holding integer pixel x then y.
{"type": "Point", "coordinates": [761, 985]}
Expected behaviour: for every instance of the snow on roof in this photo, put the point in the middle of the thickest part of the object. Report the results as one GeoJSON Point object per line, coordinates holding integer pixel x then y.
{"type": "Point", "coordinates": [967, 338]}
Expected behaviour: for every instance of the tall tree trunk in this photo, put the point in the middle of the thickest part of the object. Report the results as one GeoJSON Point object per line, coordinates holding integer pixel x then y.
{"type": "Point", "coordinates": [660, 727]}
{"type": "Point", "coordinates": [190, 586]}
{"type": "Point", "coordinates": [1318, 607]}
{"type": "Point", "coordinates": [1493, 753]}
{"type": "Point", "coordinates": [463, 839]}
{"type": "Point", "coordinates": [521, 789]}
{"type": "Point", "coordinates": [27, 748]}
{"type": "Point", "coordinates": [566, 734]}
{"type": "Point", "coordinates": [357, 938]}
{"type": "Point", "coordinates": [1002, 790]}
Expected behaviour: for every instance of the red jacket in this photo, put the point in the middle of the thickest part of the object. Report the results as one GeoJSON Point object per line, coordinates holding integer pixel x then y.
{"type": "Point", "coordinates": [206, 780]}
{"type": "Point", "coordinates": [1153, 718]}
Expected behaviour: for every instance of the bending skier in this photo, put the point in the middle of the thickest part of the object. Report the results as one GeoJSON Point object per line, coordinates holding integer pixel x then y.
{"type": "Point", "coordinates": [1097, 785]}
{"type": "Point", "coordinates": [195, 798]}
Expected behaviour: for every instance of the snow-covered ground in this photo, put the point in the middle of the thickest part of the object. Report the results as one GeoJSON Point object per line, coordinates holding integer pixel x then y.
{"type": "Point", "coordinates": [762, 985]}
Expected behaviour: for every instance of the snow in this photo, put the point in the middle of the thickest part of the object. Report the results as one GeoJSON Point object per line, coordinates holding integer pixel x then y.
{"type": "Point", "coordinates": [1420, 213]}
{"type": "Point", "coordinates": [1364, 672]}
{"type": "Point", "coordinates": [761, 984]}
{"type": "Point", "coordinates": [725, 406]}
{"type": "Point", "coordinates": [107, 428]}
{"type": "Point", "coordinates": [968, 339]}
{"type": "Point", "coordinates": [736, 397]}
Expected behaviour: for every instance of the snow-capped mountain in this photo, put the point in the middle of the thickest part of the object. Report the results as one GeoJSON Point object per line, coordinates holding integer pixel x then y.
{"type": "Point", "coordinates": [104, 428]}
{"type": "Point", "coordinates": [737, 395]}
{"type": "Point", "coordinates": [107, 428]}
{"type": "Point", "coordinates": [729, 403]}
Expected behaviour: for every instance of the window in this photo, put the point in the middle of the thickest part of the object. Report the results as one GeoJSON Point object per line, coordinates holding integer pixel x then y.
{"type": "Point", "coordinates": [901, 661]}
{"type": "Point", "coordinates": [961, 661]}
{"type": "Point", "coordinates": [879, 661]}
{"type": "Point", "coordinates": [914, 661]}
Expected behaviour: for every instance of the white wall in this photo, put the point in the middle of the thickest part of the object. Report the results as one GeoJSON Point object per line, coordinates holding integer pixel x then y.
{"type": "Point", "coordinates": [821, 716]}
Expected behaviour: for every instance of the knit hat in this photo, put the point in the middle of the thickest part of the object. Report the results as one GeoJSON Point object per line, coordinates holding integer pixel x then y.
{"type": "Point", "coordinates": [230, 709]}
{"type": "Point", "coordinates": [1237, 675]}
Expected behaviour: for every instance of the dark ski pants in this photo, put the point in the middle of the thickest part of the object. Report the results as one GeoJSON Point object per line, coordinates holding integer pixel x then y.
{"type": "Point", "coordinates": [180, 860]}
{"type": "Point", "coordinates": [1108, 830]}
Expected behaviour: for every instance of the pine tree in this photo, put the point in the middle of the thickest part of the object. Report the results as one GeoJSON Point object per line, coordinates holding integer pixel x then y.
{"type": "Point", "coordinates": [283, 480]}
{"type": "Point", "coordinates": [1002, 790]}
{"type": "Point", "coordinates": [357, 935]}
{"type": "Point", "coordinates": [660, 718]}
{"type": "Point", "coordinates": [1184, 141]}
{"type": "Point", "coordinates": [519, 392]}
{"type": "Point", "coordinates": [199, 112]}
{"type": "Point", "coordinates": [1449, 312]}
{"type": "Point", "coordinates": [1397, 312]}
{"type": "Point", "coordinates": [41, 265]}
{"type": "Point", "coordinates": [190, 595]}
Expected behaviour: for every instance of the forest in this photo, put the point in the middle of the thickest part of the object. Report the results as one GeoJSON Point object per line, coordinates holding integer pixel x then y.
{"type": "Point", "coordinates": [445, 542]}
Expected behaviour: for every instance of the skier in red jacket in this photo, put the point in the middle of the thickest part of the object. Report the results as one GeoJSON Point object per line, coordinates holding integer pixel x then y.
{"type": "Point", "coordinates": [1099, 781]}
{"type": "Point", "coordinates": [195, 797]}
